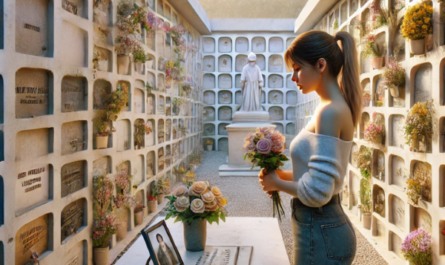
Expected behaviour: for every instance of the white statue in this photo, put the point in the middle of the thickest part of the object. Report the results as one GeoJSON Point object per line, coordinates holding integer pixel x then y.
{"type": "Point", "coordinates": [251, 83]}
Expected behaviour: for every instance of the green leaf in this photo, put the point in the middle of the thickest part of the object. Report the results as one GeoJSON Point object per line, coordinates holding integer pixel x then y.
{"type": "Point", "coordinates": [168, 216]}
{"type": "Point", "coordinates": [223, 217]}
{"type": "Point", "coordinates": [178, 218]}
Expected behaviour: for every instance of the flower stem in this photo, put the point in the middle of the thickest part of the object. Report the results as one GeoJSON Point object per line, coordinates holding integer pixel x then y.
{"type": "Point", "coordinates": [277, 205]}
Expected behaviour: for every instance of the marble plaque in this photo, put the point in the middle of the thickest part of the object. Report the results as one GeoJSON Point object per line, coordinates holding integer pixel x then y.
{"type": "Point", "coordinates": [379, 200]}
{"type": "Point", "coordinates": [223, 144]}
{"type": "Point", "coordinates": [241, 61]}
{"type": "Point", "coordinates": [32, 186]}
{"type": "Point", "coordinates": [150, 104]}
{"type": "Point", "coordinates": [225, 114]}
{"type": "Point", "coordinates": [238, 97]}
{"type": "Point", "coordinates": [32, 30]}
{"type": "Point", "coordinates": [138, 104]}
{"type": "Point", "coordinates": [72, 218]}
{"type": "Point", "coordinates": [423, 83]}
{"type": "Point", "coordinates": [75, 255]}
{"type": "Point", "coordinates": [161, 131]}
{"type": "Point", "coordinates": [33, 143]}
{"type": "Point", "coordinates": [161, 105]}
{"type": "Point", "coordinates": [225, 97]}
{"type": "Point", "coordinates": [138, 172]}
{"type": "Point", "coordinates": [74, 137]}
{"type": "Point", "coordinates": [161, 36]}
{"type": "Point", "coordinates": [33, 93]}
{"type": "Point", "coordinates": [150, 169]}
{"type": "Point", "coordinates": [279, 127]}
{"type": "Point", "coordinates": [261, 62]}
{"type": "Point", "coordinates": [238, 81]}
{"type": "Point", "coordinates": [291, 98]}
{"type": "Point", "coordinates": [151, 79]}
{"type": "Point", "coordinates": [209, 98]}
{"type": "Point", "coordinates": [209, 81]}
{"type": "Point", "coordinates": [225, 63]}
{"type": "Point", "coordinates": [379, 230]}
{"type": "Point", "coordinates": [397, 212]}
{"type": "Point", "coordinates": [123, 133]}
{"type": "Point", "coordinates": [276, 64]}
{"type": "Point", "coordinates": [290, 113]}
{"type": "Point", "coordinates": [242, 45]}
{"type": "Point", "coordinates": [124, 167]}
{"type": "Point", "coordinates": [75, 7]}
{"type": "Point", "coordinates": [167, 12]}
{"type": "Point", "coordinates": [276, 113]}
{"type": "Point", "coordinates": [168, 130]}
{"type": "Point", "coordinates": [209, 114]}
{"type": "Point", "coordinates": [161, 159]}
{"type": "Point", "coordinates": [276, 44]}
{"type": "Point", "coordinates": [73, 44]}
{"type": "Point", "coordinates": [208, 45]}
{"type": "Point", "coordinates": [209, 63]}
{"type": "Point", "coordinates": [225, 81]}
{"type": "Point", "coordinates": [398, 172]}
{"type": "Point", "coordinates": [209, 130]}
{"type": "Point", "coordinates": [222, 129]}
{"type": "Point", "coordinates": [74, 94]}
{"type": "Point", "coordinates": [396, 245]}
{"type": "Point", "coordinates": [290, 128]}
{"type": "Point", "coordinates": [275, 97]}
{"type": "Point", "coordinates": [33, 236]}
{"type": "Point", "coordinates": [397, 138]}
{"type": "Point", "coordinates": [378, 165]}
{"type": "Point", "coordinates": [73, 177]}
{"type": "Point", "coordinates": [258, 44]}
{"type": "Point", "coordinates": [102, 166]}
{"type": "Point", "coordinates": [422, 219]}
{"type": "Point", "coordinates": [168, 156]}
{"type": "Point", "coordinates": [365, 64]}
{"type": "Point", "coordinates": [150, 138]}
{"type": "Point", "coordinates": [100, 90]}
{"type": "Point", "coordinates": [224, 45]}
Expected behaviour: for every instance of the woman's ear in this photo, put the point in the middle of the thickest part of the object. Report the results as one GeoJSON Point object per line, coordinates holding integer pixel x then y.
{"type": "Point", "coordinates": [322, 65]}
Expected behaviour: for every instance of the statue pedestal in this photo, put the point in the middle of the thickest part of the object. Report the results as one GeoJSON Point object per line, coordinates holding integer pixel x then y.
{"type": "Point", "coordinates": [244, 123]}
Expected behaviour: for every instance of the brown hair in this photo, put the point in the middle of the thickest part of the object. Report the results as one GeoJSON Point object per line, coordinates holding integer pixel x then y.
{"type": "Point", "coordinates": [311, 46]}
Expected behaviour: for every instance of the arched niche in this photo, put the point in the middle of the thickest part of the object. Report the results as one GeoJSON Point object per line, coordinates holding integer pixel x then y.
{"type": "Point", "coordinates": [73, 177]}
{"type": "Point", "coordinates": [224, 97]}
{"type": "Point", "coordinates": [343, 13]}
{"type": "Point", "coordinates": [291, 98]}
{"type": "Point", "coordinates": [209, 114]}
{"type": "Point", "coordinates": [290, 113]}
{"type": "Point", "coordinates": [123, 131]}
{"type": "Point", "coordinates": [365, 119]}
{"type": "Point", "coordinates": [395, 243]}
{"type": "Point", "coordinates": [378, 164]}
{"type": "Point", "coordinates": [125, 86]}
{"type": "Point", "coordinates": [263, 98]}
{"type": "Point", "coordinates": [379, 231]}
{"type": "Point", "coordinates": [74, 94]}
{"type": "Point", "coordinates": [151, 104]}
{"type": "Point", "coordinates": [225, 44]}
{"type": "Point", "coordinates": [139, 169]}
{"type": "Point", "coordinates": [161, 131]}
{"type": "Point", "coordinates": [224, 81]}
{"type": "Point", "coordinates": [151, 80]}
{"type": "Point", "coordinates": [290, 128]}
{"type": "Point", "coordinates": [168, 130]}
{"type": "Point", "coordinates": [73, 219]}
{"type": "Point", "coordinates": [379, 92]}
{"type": "Point", "coordinates": [139, 97]}
{"type": "Point", "coordinates": [225, 63]}
{"type": "Point", "coordinates": [423, 82]}
{"type": "Point", "coordinates": [74, 137]}
{"type": "Point", "coordinates": [396, 137]}
{"type": "Point", "coordinates": [397, 171]}
{"type": "Point", "coordinates": [397, 212]}
{"type": "Point", "coordinates": [279, 127]}
{"type": "Point", "coordinates": [423, 171]}
{"type": "Point", "coordinates": [209, 63]}
{"type": "Point", "coordinates": [161, 83]}
{"type": "Point", "coordinates": [102, 166]}
{"type": "Point", "coordinates": [275, 81]}
{"type": "Point", "coordinates": [223, 144]}
{"type": "Point", "coordinates": [168, 156]}
{"type": "Point", "coordinates": [161, 159]}
{"type": "Point", "coordinates": [139, 134]}
{"type": "Point", "coordinates": [422, 219]}
{"type": "Point", "coordinates": [238, 81]}
{"type": "Point", "coordinates": [258, 44]}
{"type": "Point", "coordinates": [175, 129]}
{"type": "Point", "coordinates": [161, 105]}
{"type": "Point", "coordinates": [366, 87]}
{"type": "Point", "coordinates": [378, 200]}
{"type": "Point", "coordinates": [209, 129]}
{"type": "Point", "coordinates": [275, 97]}
{"type": "Point", "coordinates": [241, 45]}
{"type": "Point", "coordinates": [276, 63]}
{"type": "Point", "coordinates": [168, 106]}
{"type": "Point", "coordinates": [208, 44]}
{"type": "Point", "coordinates": [289, 83]}
{"type": "Point", "coordinates": [225, 113]}
{"type": "Point", "coordinates": [240, 62]}
{"type": "Point", "coordinates": [353, 5]}
{"type": "Point", "coordinates": [276, 113]}
{"type": "Point", "coordinates": [209, 81]}
{"type": "Point", "coordinates": [354, 183]}
{"type": "Point", "coordinates": [238, 97]}
{"type": "Point", "coordinates": [209, 97]}
{"type": "Point", "coordinates": [276, 44]}
{"type": "Point", "coordinates": [289, 42]}
{"type": "Point", "coordinates": [261, 62]}
{"type": "Point", "coordinates": [222, 129]}
{"type": "Point", "coordinates": [33, 92]}
{"type": "Point", "coordinates": [150, 169]}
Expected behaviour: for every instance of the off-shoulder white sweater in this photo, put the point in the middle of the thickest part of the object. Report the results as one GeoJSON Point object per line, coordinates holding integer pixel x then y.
{"type": "Point", "coordinates": [319, 164]}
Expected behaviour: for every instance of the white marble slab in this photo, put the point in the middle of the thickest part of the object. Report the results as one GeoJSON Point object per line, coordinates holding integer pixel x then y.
{"type": "Point", "coordinates": [262, 233]}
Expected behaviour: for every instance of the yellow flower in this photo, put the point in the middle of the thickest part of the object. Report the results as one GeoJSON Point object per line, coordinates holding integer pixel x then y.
{"type": "Point", "coordinates": [426, 19]}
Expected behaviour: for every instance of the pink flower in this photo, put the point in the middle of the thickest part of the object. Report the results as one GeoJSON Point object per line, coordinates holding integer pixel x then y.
{"type": "Point", "coordinates": [264, 146]}
{"type": "Point", "coordinates": [250, 146]}
{"type": "Point", "coordinates": [277, 148]}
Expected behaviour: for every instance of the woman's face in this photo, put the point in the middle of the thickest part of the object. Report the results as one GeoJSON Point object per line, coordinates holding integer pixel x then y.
{"type": "Point", "coordinates": [306, 77]}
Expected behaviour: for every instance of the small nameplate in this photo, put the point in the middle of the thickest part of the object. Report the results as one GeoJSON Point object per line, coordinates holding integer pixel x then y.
{"type": "Point", "coordinates": [29, 26]}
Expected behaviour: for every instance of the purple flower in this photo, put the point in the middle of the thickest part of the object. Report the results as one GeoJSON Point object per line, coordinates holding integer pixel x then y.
{"type": "Point", "coordinates": [264, 146]}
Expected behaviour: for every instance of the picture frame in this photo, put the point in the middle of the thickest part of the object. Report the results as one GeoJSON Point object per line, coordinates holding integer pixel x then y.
{"type": "Point", "coordinates": [153, 237]}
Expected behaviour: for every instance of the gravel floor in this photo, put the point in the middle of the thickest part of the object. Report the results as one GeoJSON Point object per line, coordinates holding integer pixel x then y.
{"type": "Point", "coordinates": [246, 198]}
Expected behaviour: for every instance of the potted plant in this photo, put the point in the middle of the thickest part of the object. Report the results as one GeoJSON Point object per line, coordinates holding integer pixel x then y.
{"type": "Point", "coordinates": [364, 161]}
{"type": "Point", "coordinates": [416, 25]}
{"type": "Point", "coordinates": [180, 172]}
{"type": "Point", "coordinates": [365, 202]}
{"type": "Point", "coordinates": [195, 205]}
{"type": "Point", "coordinates": [124, 46]}
{"type": "Point", "coordinates": [416, 248]}
{"type": "Point", "coordinates": [373, 49]}
{"type": "Point", "coordinates": [100, 60]}
{"type": "Point", "coordinates": [139, 213]}
{"type": "Point", "coordinates": [394, 77]}
{"type": "Point", "coordinates": [162, 190]}
{"type": "Point", "coordinates": [419, 124]}
{"type": "Point", "coordinates": [140, 130]}
{"type": "Point", "coordinates": [209, 145]}
{"type": "Point", "coordinates": [123, 199]}
{"type": "Point", "coordinates": [374, 130]}
{"type": "Point", "coordinates": [105, 221]}
{"type": "Point", "coordinates": [152, 203]}
{"type": "Point", "coordinates": [139, 58]}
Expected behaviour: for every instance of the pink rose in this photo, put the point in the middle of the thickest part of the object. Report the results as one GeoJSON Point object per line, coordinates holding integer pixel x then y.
{"type": "Point", "coordinates": [264, 146]}
{"type": "Point", "coordinates": [277, 148]}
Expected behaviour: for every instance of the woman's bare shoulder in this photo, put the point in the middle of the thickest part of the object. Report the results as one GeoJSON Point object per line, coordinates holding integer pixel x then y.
{"type": "Point", "coordinates": [333, 120]}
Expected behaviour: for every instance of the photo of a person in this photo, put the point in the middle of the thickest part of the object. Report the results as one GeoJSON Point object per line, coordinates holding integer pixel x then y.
{"type": "Point", "coordinates": [164, 253]}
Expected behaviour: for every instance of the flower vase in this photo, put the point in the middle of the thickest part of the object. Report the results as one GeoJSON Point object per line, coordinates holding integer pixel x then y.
{"type": "Point", "coordinates": [417, 46]}
{"type": "Point", "coordinates": [139, 217]}
{"type": "Point", "coordinates": [394, 91]}
{"type": "Point", "coordinates": [195, 235]}
{"type": "Point", "coordinates": [101, 256]}
{"type": "Point", "coordinates": [209, 147]}
{"type": "Point", "coordinates": [121, 232]}
{"type": "Point", "coordinates": [429, 42]}
{"type": "Point", "coordinates": [123, 61]}
{"type": "Point", "coordinates": [378, 139]}
{"type": "Point", "coordinates": [415, 143]}
{"type": "Point", "coordinates": [160, 198]}
{"type": "Point", "coordinates": [377, 63]}
{"type": "Point", "coordinates": [152, 206]}
{"type": "Point", "coordinates": [101, 142]}
{"type": "Point", "coordinates": [102, 65]}
{"type": "Point", "coordinates": [149, 64]}
{"type": "Point", "coordinates": [367, 221]}
{"type": "Point", "coordinates": [138, 66]}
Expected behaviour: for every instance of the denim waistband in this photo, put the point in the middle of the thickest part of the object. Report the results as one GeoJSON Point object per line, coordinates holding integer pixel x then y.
{"type": "Point", "coordinates": [295, 202]}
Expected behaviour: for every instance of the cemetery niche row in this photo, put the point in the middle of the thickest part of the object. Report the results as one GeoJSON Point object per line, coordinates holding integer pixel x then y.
{"type": "Point", "coordinates": [242, 44]}
{"type": "Point", "coordinates": [225, 81]}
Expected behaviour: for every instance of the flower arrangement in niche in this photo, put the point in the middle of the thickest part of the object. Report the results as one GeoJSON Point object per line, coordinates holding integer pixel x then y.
{"type": "Point", "coordinates": [123, 198]}
{"type": "Point", "coordinates": [139, 55]}
{"type": "Point", "coordinates": [176, 34]}
{"type": "Point", "coordinates": [365, 196]}
{"type": "Point", "coordinates": [419, 185]}
{"type": "Point", "coordinates": [126, 44]}
{"type": "Point", "coordinates": [419, 124]}
{"type": "Point", "coordinates": [364, 159]}
{"type": "Point", "coordinates": [199, 200]}
{"type": "Point", "coordinates": [417, 22]}
{"type": "Point", "coordinates": [394, 77]}
{"type": "Point", "coordinates": [375, 130]}
{"type": "Point", "coordinates": [372, 48]}
{"type": "Point", "coordinates": [416, 247]}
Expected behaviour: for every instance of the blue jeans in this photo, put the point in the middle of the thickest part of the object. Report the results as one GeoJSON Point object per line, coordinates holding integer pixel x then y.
{"type": "Point", "coordinates": [322, 235]}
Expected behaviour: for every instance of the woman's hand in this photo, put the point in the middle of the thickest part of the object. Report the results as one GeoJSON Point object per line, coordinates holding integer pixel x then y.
{"type": "Point", "coordinates": [268, 181]}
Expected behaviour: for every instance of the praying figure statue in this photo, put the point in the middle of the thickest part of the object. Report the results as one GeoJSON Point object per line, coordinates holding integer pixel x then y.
{"type": "Point", "coordinates": [251, 83]}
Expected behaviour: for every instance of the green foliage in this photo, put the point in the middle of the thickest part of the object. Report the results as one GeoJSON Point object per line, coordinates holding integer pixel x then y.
{"type": "Point", "coordinates": [270, 162]}
{"type": "Point", "coordinates": [139, 56]}
{"type": "Point", "coordinates": [365, 196]}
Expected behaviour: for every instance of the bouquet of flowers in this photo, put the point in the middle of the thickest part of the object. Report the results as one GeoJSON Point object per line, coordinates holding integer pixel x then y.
{"type": "Point", "coordinates": [419, 121]}
{"type": "Point", "coordinates": [176, 33]}
{"type": "Point", "coordinates": [197, 201]}
{"type": "Point", "coordinates": [265, 149]}
{"type": "Point", "coordinates": [418, 21]}
{"type": "Point", "coordinates": [364, 161]}
{"type": "Point", "coordinates": [374, 130]}
{"type": "Point", "coordinates": [416, 247]}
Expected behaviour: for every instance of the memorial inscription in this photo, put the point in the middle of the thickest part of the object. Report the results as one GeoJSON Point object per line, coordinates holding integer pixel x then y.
{"type": "Point", "coordinates": [31, 27]}
{"type": "Point", "coordinates": [32, 237]}
{"type": "Point", "coordinates": [32, 93]}
{"type": "Point", "coordinates": [72, 218]}
{"type": "Point", "coordinates": [73, 177]}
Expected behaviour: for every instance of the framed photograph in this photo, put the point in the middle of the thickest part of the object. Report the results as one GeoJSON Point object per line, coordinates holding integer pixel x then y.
{"type": "Point", "coordinates": [161, 246]}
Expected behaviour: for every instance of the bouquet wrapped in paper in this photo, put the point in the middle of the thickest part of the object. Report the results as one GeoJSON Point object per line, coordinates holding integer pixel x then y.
{"type": "Point", "coordinates": [265, 149]}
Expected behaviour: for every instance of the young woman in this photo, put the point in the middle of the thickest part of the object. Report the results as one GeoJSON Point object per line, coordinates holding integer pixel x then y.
{"type": "Point", "coordinates": [327, 65]}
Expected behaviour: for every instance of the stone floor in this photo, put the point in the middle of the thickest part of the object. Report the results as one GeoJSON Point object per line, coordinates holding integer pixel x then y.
{"type": "Point", "coordinates": [246, 198]}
